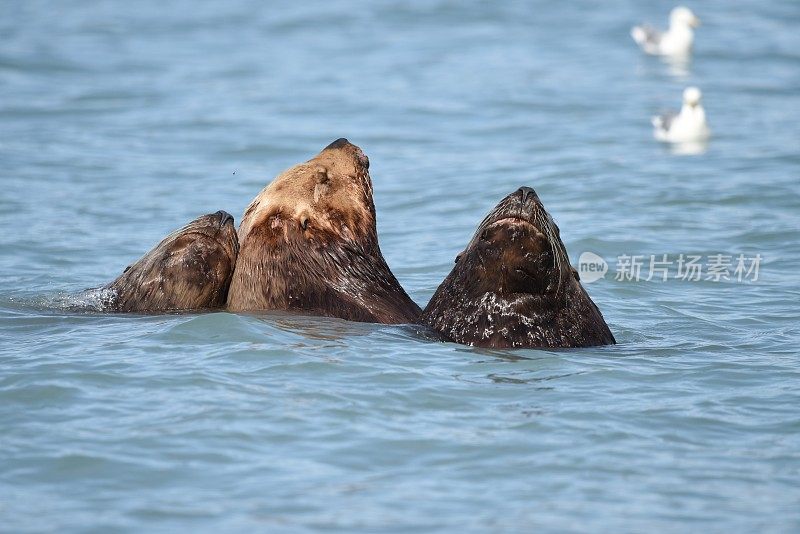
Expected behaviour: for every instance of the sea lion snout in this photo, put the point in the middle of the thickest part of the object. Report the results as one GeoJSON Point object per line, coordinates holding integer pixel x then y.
{"type": "Point", "coordinates": [339, 143]}
{"type": "Point", "coordinates": [224, 218]}
{"type": "Point", "coordinates": [343, 143]}
{"type": "Point", "coordinates": [525, 192]}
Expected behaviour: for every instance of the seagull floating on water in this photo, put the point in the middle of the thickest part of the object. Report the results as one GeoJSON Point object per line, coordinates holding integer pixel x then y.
{"type": "Point", "coordinates": [687, 126]}
{"type": "Point", "coordinates": [676, 41]}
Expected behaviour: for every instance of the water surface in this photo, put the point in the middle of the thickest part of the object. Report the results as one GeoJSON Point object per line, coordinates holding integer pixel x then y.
{"type": "Point", "coordinates": [121, 122]}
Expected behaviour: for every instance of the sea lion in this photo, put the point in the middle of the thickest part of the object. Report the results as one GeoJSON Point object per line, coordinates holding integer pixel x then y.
{"type": "Point", "coordinates": [513, 286]}
{"type": "Point", "coordinates": [309, 244]}
{"type": "Point", "coordinates": [190, 269]}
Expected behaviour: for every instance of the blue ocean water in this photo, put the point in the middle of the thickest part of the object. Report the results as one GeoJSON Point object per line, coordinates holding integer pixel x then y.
{"type": "Point", "coordinates": [120, 122]}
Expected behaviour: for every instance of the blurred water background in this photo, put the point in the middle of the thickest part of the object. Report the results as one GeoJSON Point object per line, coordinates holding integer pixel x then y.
{"type": "Point", "coordinates": [120, 122]}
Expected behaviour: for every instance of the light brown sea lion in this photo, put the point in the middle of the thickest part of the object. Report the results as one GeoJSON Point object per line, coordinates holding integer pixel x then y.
{"type": "Point", "coordinates": [309, 244]}
{"type": "Point", "coordinates": [513, 286]}
{"type": "Point", "coordinates": [190, 269]}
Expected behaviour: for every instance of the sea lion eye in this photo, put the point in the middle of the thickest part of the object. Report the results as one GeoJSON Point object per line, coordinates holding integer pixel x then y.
{"type": "Point", "coordinates": [304, 223]}
{"type": "Point", "coordinates": [457, 258]}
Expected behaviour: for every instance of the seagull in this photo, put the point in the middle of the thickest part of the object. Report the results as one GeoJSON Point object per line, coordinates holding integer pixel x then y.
{"type": "Point", "coordinates": [687, 126]}
{"type": "Point", "coordinates": [676, 41]}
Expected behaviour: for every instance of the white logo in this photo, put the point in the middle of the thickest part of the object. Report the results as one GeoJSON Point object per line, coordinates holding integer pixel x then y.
{"type": "Point", "coordinates": [591, 267]}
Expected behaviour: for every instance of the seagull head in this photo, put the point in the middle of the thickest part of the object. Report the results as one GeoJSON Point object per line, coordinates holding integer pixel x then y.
{"type": "Point", "coordinates": [683, 16]}
{"type": "Point", "coordinates": [692, 96]}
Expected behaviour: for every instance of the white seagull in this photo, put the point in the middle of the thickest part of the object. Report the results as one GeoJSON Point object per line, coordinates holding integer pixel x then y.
{"type": "Point", "coordinates": [687, 126]}
{"type": "Point", "coordinates": [676, 41]}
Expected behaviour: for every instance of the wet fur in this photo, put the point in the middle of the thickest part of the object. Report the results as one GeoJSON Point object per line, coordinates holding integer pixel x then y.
{"type": "Point", "coordinates": [309, 244]}
{"type": "Point", "coordinates": [513, 286]}
{"type": "Point", "coordinates": [190, 269]}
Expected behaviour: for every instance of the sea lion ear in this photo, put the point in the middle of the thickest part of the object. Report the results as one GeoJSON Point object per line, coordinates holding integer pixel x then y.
{"type": "Point", "coordinates": [575, 274]}
{"type": "Point", "coordinates": [128, 268]}
{"type": "Point", "coordinates": [457, 258]}
{"type": "Point", "coordinates": [323, 183]}
{"type": "Point", "coordinates": [321, 175]}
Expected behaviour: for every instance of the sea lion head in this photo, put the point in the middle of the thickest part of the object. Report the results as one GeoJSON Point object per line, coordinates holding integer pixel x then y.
{"type": "Point", "coordinates": [517, 249]}
{"type": "Point", "coordinates": [513, 285]}
{"type": "Point", "coordinates": [328, 198]}
{"type": "Point", "coordinates": [309, 244]}
{"type": "Point", "coordinates": [190, 269]}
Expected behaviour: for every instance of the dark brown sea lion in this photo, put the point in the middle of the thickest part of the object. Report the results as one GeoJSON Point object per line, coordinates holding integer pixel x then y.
{"type": "Point", "coordinates": [190, 269]}
{"type": "Point", "coordinates": [513, 286]}
{"type": "Point", "coordinates": [309, 244]}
